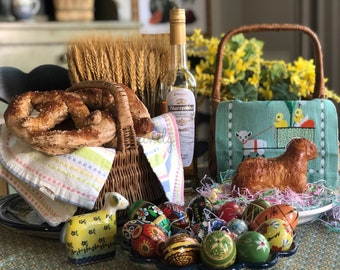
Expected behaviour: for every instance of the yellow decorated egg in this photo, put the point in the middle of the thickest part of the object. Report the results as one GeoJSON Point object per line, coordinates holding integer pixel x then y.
{"type": "Point", "coordinates": [180, 250]}
{"type": "Point", "coordinates": [278, 233]}
{"type": "Point", "coordinates": [285, 212]}
{"type": "Point", "coordinates": [218, 250]}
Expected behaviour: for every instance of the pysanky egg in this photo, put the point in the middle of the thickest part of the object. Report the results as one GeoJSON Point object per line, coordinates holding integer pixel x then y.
{"type": "Point", "coordinates": [147, 239]}
{"type": "Point", "coordinates": [218, 250]}
{"type": "Point", "coordinates": [252, 247]}
{"type": "Point", "coordinates": [278, 233]}
{"type": "Point", "coordinates": [128, 228]}
{"type": "Point", "coordinates": [147, 211]}
{"type": "Point", "coordinates": [180, 250]}
{"type": "Point", "coordinates": [229, 211]}
{"type": "Point", "coordinates": [253, 209]}
{"type": "Point", "coordinates": [203, 228]}
{"type": "Point", "coordinates": [285, 212]}
{"type": "Point", "coordinates": [237, 226]}
{"type": "Point", "coordinates": [178, 217]}
{"type": "Point", "coordinates": [199, 208]}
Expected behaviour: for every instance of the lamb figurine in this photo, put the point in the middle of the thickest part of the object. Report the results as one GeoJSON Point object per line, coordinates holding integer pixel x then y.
{"type": "Point", "coordinates": [91, 237]}
{"type": "Point", "coordinates": [288, 170]}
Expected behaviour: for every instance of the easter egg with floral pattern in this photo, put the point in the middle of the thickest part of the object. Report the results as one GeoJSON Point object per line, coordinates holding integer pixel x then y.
{"type": "Point", "coordinates": [177, 216]}
{"type": "Point", "coordinates": [252, 247]}
{"type": "Point", "coordinates": [147, 240]}
{"type": "Point", "coordinates": [278, 233]}
{"type": "Point", "coordinates": [147, 211]}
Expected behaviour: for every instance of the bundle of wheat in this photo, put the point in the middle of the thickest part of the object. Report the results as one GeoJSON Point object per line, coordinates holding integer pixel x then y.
{"type": "Point", "coordinates": [138, 61]}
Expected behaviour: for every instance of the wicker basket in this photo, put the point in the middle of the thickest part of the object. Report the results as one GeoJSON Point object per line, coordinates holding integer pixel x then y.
{"type": "Point", "coordinates": [319, 89]}
{"type": "Point", "coordinates": [74, 10]}
{"type": "Point", "coordinates": [131, 174]}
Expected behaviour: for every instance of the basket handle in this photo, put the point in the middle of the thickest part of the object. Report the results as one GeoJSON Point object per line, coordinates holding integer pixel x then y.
{"type": "Point", "coordinates": [319, 89]}
{"type": "Point", "coordinates": [126, 135]}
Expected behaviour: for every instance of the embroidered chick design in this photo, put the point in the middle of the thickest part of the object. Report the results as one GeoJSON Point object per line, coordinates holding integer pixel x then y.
{"type": "Point", "coordinates": [280, 122]}
{"type": "Point", "coordinates": [300, 120]}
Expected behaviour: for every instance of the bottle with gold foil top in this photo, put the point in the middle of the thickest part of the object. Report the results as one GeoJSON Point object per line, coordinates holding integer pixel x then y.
{"type": "Point", "coordinates": [179, 90]}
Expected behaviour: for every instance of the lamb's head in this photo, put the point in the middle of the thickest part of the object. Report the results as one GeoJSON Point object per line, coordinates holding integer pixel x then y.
{"type": "Point", "coordinates": [304, 145]}
{"type": "Point", "coordinates": [116, 201]}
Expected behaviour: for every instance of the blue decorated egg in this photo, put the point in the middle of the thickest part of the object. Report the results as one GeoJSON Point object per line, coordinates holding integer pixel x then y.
{"type": "Point", "coordinates": [237, 226]}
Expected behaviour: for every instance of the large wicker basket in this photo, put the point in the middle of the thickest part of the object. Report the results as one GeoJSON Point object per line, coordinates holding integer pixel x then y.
{"type": "Point", "coordinates": [319, 89]}
{"type": "Point", "coordinates": [131, 174]}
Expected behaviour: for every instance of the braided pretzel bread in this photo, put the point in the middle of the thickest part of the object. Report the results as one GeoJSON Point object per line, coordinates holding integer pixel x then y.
{"type": "Point", "coordinates": [96, 94]}
{"type": "Point", "coordinates": [53, 107]}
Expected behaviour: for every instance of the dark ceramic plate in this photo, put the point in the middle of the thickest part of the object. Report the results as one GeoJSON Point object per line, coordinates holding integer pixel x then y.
{"type": "Point", "coordinates": [17, 214]}
{"type": "Point", "coordinates": [274, 258]}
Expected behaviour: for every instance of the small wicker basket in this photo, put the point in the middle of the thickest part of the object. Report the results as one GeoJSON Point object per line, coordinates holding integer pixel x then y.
{"type": "Point", "coordinates": [75, 10]}
{"type": "Point", "coordinates": [131, 174]}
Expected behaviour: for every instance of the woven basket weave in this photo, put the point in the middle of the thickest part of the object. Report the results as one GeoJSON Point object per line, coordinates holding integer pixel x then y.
{"type": "Point", "coordinates": [131, 174]}
{"type": "Point", "coordinates": [74, 10]}
{"type": "Point", "coordinates": [319, 88]}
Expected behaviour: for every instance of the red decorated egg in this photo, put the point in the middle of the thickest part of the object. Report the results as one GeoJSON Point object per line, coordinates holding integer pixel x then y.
{"type": "Point", "coordinates": [128, 228]}
{"type": "Point", "coordinates": [180, 250]}
{"type": "Point", "coordinates": [178, 217]}
{"type": "Point", "coordinates": [199, 209]}
{"type": "Point", "coordinates": [252, 247]}
{"type": "Point", "coordinates": [147, 211]}
{"type": "Point", "coordinates": [218, 250]}
{"type": "Point", "coordinates": [253, 209]}
{"type": "Point", "coordinates": [229, 211]}
{"type": "Point", "coordinates": [285, 212]}
{"type": "Point", "coordinates": [278, 233]}
{"type": "Point", "coordinates": [147, 240]}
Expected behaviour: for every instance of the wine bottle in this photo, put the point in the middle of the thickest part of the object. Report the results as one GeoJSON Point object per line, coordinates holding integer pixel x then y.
{"type": "Point", "coordinates": [179, 91]}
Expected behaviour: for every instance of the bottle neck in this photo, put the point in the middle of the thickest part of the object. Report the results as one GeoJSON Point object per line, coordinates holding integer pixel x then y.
{"type": "Point", "coordinates": [178, 57]}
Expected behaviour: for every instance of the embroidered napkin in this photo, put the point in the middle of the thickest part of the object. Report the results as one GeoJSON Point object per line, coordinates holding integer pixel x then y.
{"type": "Point", "coordinates": [51, 184]}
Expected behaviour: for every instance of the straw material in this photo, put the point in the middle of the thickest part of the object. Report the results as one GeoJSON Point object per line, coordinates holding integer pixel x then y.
{"type": "Point", "coordinates": [131, 174]}
{"type": "Point", "coordinates": [75, 10]}
{"type": "Point", "coordinates": [319, 89]}
{"type": "Point", "coordinates": [138, 61]}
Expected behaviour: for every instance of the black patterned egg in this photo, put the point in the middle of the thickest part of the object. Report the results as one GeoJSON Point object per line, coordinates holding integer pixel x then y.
{"type": "Point", "coordinates": [218, 250]}
{"type": "Point", "coordinates": [199, 209]}
{"type": "Point", "coordinates": [180, 250]}
{"type": "Point", "coordinates": [147, 211]}
{"type": "Point", "coordinates": [253, 209]}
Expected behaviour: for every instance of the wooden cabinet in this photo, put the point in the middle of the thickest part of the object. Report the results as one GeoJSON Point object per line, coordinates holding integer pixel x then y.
{"type": "Point", "coordinates": [26, 45]}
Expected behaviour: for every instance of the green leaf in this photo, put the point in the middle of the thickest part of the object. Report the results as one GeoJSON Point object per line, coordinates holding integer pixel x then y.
{"type": "Point", "coordinates": [243, 91]}
{"type": "Point", "coordinates": [281, 92]}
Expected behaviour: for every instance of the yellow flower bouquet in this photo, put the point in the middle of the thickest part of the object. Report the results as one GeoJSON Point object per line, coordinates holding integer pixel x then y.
{"type": "Point", "coordinates": [246, 75]}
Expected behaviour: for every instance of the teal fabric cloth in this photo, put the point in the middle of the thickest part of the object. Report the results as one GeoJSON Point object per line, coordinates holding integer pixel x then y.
{"type": "Point", "coordinates": [265, 128]}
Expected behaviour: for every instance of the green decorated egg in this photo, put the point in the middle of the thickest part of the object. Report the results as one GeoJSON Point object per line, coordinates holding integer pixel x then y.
{"type": "Point", "coordinates": [181, 250]}
{"type": "Point", "coordinates": [278, 233]}
{"type": "Point", "coordinates": [147, 211]}
{"type": "Point", "coordinates": [253, 209]}
{"type": "Point", "coordinates": [252, 247]}
{"type": "Point", "coordinates": [218, 250]}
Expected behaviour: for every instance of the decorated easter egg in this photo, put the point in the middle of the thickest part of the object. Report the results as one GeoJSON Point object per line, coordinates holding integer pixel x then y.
{"type": "Point", "coordinates": [229, 211]}
{"type": "Point", "coordinates": [218, 250]}
{"type": "Point", "coordinates": [147, 211]}
{"type": "Point", "coordinates": [252, 247]}
{"type": "Point", "coordinates": [278, 233]}
{"type": "Point", "coordinates": [286, 212]}
{"type": "Point", "coordinates": [253, 209]}
{"type": "Point", "coordinates": [180, 250]}
{"type": "Point", "coordinates": [202, 229]}
{"type": "Point", "coordinates": [177, 216]}
{"type": "Point", "coordinates": [147, 240]}
{"type": "Point", "coordinates": [237, 226]}
{"type": "Point", "coordinates": [199, 209]}
{"type": "Point", "coordinates": [128, 228]}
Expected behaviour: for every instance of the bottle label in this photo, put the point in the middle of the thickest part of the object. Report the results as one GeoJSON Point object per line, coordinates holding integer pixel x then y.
{"type": "Point", "coordinates": [182, 104]}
